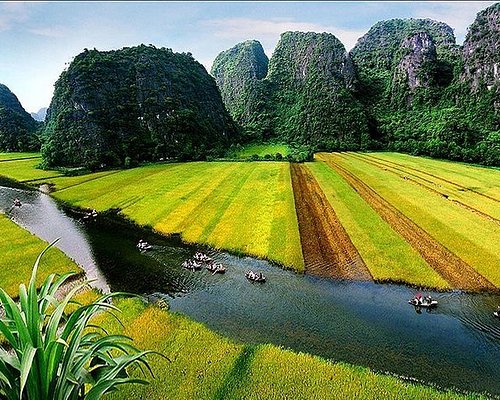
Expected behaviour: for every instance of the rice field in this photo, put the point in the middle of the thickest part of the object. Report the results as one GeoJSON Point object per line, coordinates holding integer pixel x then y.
{"type": "Point", "coordinates": [205, 365]}
{"type": "Point", "coordinates": [250, 208]}
{"type": "Point", "coordinates": [17, 156]}
{"type": "Point", "coordinates": [387, 255]}
{"type": "Point", "coordinates": [19, 250]}
{"type": "Point", "coordinates": [243, 207]}
{"type": "Point", "coordinates": [468, 235]}
{"type": "Point", "coordinates": [261, 150]}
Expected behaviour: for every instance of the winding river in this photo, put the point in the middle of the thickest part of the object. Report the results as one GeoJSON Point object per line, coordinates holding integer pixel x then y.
{"type": "Point", "coordinates": [456, 345]}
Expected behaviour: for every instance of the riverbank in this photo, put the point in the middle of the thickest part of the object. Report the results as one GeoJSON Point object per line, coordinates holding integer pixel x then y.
{"type": "Point", "coordinates": [205, 365]}
{"type": "Point", "coordinates": [377, 207]}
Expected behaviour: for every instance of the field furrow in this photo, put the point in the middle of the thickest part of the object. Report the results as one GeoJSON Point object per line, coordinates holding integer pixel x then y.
{"type": "Point", "coordinates": [452, 268]}
{"type": "Point", "coordinates": [481, 181]}
{"type": "Point", "coordinates": [433, 187]}
{"type": "Point", "coordinates": [326, 246]}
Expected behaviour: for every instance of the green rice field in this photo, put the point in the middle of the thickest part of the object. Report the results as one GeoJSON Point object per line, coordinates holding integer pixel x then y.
{"type": "Point", "coordinates": [261, 150]}
{"type": "Point", "coordinates": [243, 207]}
{"type": "Point", "coordinates": [19, 250]}
{"type": "Point", "coordinates": [249, 208]}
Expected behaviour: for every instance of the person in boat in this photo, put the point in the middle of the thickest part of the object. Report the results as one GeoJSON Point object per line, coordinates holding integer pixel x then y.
{"type": "Point", "coordinates": [261, 276]}
{"type": "Point", "coordinates": [17, 202]}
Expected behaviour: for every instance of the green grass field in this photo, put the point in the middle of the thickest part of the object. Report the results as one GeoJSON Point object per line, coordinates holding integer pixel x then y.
{"type": "Point", "coordinates": [261, 150]}
{"type": "Point", "coordinates": [17, 156]}
{"type": "Point", "coordinates": [468, 235]}
{"type": "Point", "coordinates": [387, 255]}
{"type": "Point", "coordinates": [205, 365]}
{"type": "Point", "coordinates": [18, 252]}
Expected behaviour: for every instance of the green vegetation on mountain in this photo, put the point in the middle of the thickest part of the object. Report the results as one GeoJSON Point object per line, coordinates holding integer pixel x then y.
{"type": "Point", "coordinates": [406, 86]}
{"type": "Point", "coordinates": [17, 127]}
{"type": "Point", "coordinates": [306, 97]}
{"type": "Point", "coordinates": [135, 104]}
{"type": "Point", "coordinates": [424, 95]}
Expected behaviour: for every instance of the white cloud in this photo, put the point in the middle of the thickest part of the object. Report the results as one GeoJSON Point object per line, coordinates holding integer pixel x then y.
{"type": "Point", "coordinates": [269, 30]}
{"type": "Point", "coordinates": [458, 15]}
{"type": "Point", "coordinates": [12, 14]}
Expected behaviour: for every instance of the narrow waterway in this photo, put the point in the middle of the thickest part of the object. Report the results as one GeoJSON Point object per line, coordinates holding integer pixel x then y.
{"type": "Point", "coordinates": [456, 345]}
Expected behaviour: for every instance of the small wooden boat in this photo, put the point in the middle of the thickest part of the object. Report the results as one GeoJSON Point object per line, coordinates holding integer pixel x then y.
{"type": "Point", "coordinates": [497, 314]}
{"type": "Point", "coordinates": [255, 277]}
{"type": "Point", "coordinates": [17, 203]}
{"type": "Point", "coordinates": [191, 265]}
{"type": "Point", "coordinates": [423, 303]}
{"type": "Point", "coordinates": [201, 257]}
{"type": "Point", "coordinates": [144, 246]}
{"type": "Point", "coordinates": [216, 268]}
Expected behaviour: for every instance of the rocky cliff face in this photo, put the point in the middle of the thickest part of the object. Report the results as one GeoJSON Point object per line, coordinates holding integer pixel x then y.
{"type": "Point", "coordinates": [139, 103]}
{"type": "Point", "coordinates": [312, 77]}
{"type": "Point", "coordinates": [481, 51]}
{"type": "Point", "coordinates": [17, 128]}
{"type": "Point", "coordinates": [238, 73]}
{"type": "Point", "coordinates": [411, 70]}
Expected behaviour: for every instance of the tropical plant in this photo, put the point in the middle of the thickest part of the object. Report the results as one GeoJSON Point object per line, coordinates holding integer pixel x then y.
{"type": "Point", "coordinates": [48, 353]}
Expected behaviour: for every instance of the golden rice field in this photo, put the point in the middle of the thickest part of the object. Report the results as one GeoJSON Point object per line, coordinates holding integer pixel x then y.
{"type": "Point", "coordinates": [243, 207]}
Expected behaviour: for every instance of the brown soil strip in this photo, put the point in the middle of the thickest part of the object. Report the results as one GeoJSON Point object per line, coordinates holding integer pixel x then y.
{"type": "Point", "coordinates": [430, 187]}
{"type": "Point", "coordinates": [326, 246]}
{"type": "Point", "coordinates": [453, 269]}
{"type": "Point", "coordinates": [457, 185]}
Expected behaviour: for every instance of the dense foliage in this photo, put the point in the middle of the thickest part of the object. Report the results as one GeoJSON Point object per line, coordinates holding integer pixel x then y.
{"type": "Point", "coordinates": [306, 99]}
{"type": "Point", "coordinates": [405, 86]}
{"type": "Point", "coordinates": [139, 103]}
{"type": "Point", "coordinates": [421, 92]}
{"type": "Point", "coordinates": [17, 127]}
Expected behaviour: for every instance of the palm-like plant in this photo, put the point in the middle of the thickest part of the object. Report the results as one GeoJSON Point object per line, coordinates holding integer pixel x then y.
{"type": "Point", "coordinates": [51, 356]}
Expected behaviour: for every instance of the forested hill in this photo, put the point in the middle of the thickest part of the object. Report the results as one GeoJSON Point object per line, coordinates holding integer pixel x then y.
{"type": "Point", "coordinates": [305, 98]}
{"type": "Point", "coordinates": [405, 86]}
{"type": "Point", "coordinates": [17, 127]}
{"type": "Point", "coordinates": [135, 104]}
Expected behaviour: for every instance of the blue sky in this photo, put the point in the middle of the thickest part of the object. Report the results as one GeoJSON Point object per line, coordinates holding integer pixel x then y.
{"type": "Point", "coordinates": [37, 40]}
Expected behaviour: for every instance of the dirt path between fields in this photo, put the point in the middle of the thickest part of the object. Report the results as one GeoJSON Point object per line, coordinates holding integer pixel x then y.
{"type": "Point", "coordinates": [453, 269]}
{"type": "Point", "coordinates": [326, 246]}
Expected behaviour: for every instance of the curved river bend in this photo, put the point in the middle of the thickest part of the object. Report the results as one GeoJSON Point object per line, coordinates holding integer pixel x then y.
{"type": "Point", "coordinates": [457, 345]}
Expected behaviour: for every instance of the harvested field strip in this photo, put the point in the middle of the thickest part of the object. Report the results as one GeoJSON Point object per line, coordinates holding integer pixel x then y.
{"type": "Point", "coordinates": [481, 181]}
{"type": "Point", "coordinates": [326, 246]}
{"type": "Point", "coordinates": [452, 268]}
{"type": "Point", "coordinates": [428, 185]}
{"type": "Point", "coordinates": [387, 255]}
{"type": "Point", "coordinates": [63, 182]}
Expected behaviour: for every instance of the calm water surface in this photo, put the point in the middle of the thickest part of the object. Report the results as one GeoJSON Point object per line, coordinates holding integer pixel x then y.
{"type": "Point", "coordinates": [456, 345]}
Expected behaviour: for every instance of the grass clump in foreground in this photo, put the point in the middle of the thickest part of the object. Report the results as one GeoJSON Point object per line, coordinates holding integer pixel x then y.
{"type": "Point", "coordinates": [205, 365]}
{"type": "Point", "coordinates": [57, 356]}
{"type": "Point", "coordinates": [18, 249]}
